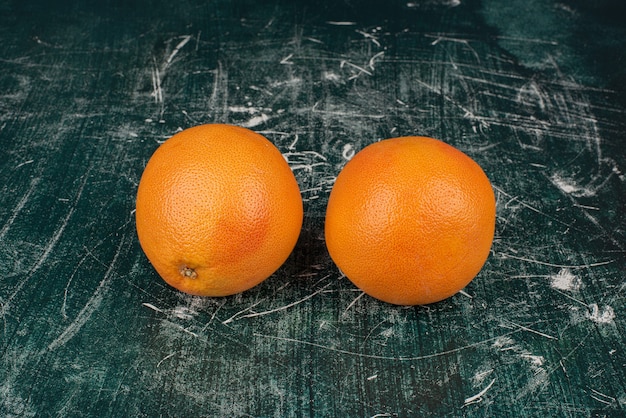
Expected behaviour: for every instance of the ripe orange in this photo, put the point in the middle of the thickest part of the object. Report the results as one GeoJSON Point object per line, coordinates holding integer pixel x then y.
{"type": "Point", "coordinates": [410, 221]}
{"type": "Point", "coordinates": [218, 210]}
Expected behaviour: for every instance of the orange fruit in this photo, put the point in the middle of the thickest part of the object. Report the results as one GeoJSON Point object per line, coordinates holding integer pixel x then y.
{"type": "Point", "coordinates": [218, 210]}
{"type": "Point", "coordinates": [410, 221]}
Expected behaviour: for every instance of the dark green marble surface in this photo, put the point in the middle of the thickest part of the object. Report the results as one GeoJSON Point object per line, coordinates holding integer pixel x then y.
{"type": "Point", "coordinates": [532, 90]}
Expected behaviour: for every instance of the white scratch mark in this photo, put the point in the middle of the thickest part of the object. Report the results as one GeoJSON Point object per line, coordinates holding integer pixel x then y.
{"type": "Point", "coordinates": [522, 327]}
{"type": "Point", "coordinates": [527, 206]}
{"type": "Point", "coordinates": [176, 49]}
{"type": "Point", "coordinates": [219, 96]}
{"type": "Point", "coordinates": [71, 279]}
{"type": "Point", "coordinates": [378, 357]}
{"type": "Point", "coordinates": [568, 186]}
{"type": "Point", "coordinates": [331, 76]}
{"type": "Point", "coordinates": [18, 208]}
{"type": "Point", "coordinates": [544, 263]}
{"type": "Point", "coordinates": [314, 109]}
{"type": "Point", "coordinates": [255, 121]}
{"type": "Point", "coordinates": [317, 41]}
{"type": "Point", "coordinates": [180, 327]}
{"type": "Point", "coordinates": [527, 40]}
{"type": "Point", "coordinates": [281, 133]}
{"type": "Point", "coordinates": [374, 58]}
{"type": "Point", "coordinates": [302, 160]}
{"type": "Point", "coordinates": [462, 41]}
{"type": "Point", "coordinates": [372, 377]}
{"type": "Point", "coordinates": [40, 42]}
{"type": "Point", "coordinates": [478, 397]}
{"type": "Point", "coordinates": [572, 298]}
{"type": "Point", "coordinates": [348, 152]}
{"type": "Point", "coordinates": [88, 253]}
{"type": "Point", "coordinates": [604, 316]}
{"type": "Point", "coordinates": [49, 246]}
{"type": "Point", "coordinates": [91, 306]}
{"type": "Point", "coordinates": [157, 92]}
{"type": "Point", "coordinates": [372, 330]}
{"type": "Point", "coordinates": [352, 303]}
{"type": "Point", "coordinates": [24, 163]}
{"type": "Point", "coordinates": [565, 280]}
{"type": "Point", "coordinates": [537, 382]}
{"type": "Point", "coordinates": [340, 23]}
{"type": "Point", "coordinates": [292, 146]}
{"type": "Point", "coordinates": [187, 331]}
{"type": "Point", "coordinates": [291, 82]}
{"type": "Point", "coordinates": [151, 306]}
{"type": "Point", "coordinates": [232, 318]}
{"type": "Point", "coordinates": [282, 308]}
{"type": "Point", "coordinates": [601, 397]}
{"type": "Point", "coordinates": [536, 361]}
{"type": "Point", "coordinates": [578, 205]}
{"type": "Point", "coordinates": [183, 312]}
{"type": "Point", "coordinates": [198, 40]}
{"type": "Point", "coordinates": [601, 400]}
{"type": "Point", "coordinates": [165, 358]}
{"type": "Point", "coordinates": [502, 342]}
{"type": "Point", "coordinates": [188, 116]}
{"type": "Point", "coordinates": [343, 63]}
{"type": "Point", "coordinates": [244, 109]}
{"type": "Point", "coordinates": [285, 61]}
{"type": "Point", "coordinates": [483, 122]}
{"type": "Point", "coordinates": [262, 90]}
{"type": "Point", "coordinates": [530, 94]}
{"type": "Point", "coordinates": [480, 377]}
{"type": "Point", "coordinates": [369, 36]}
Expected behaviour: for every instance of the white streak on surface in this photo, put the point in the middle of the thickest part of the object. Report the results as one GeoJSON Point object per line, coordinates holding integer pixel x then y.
{"type": "Point", "coordinates": [479, 395]}
{"type": "Point", "coordinates": [536, 361]}
{"type": "Point", "coordinates": [18, 208]}
{"type": "Point", "coordinates": [566, 185]}
{"type": "Point", "coordinates": [176, 49]}
{"type": "Point", "coordinates": [286, 60]}
{"type": "Point", "coordinates": [151, 306]}
{"type": "Point", "coordinates": [282, 308]}
{"type": "Point", "coordinates": [49, 246]}
{"type": "Point", "coordinates": [90, 307]}
{"type": "Point", "coordinates": [340, 23]}
{"type": "Point", "coordinates": [255, 121]}
{"type": "Point", "coordinates": [605, 315]}
{"type": "Point", "coordinates": [565, 280]}
{"type": "Point", "coordinates": [244, 109]}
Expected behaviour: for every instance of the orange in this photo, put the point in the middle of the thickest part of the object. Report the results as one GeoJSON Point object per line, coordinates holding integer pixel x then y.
{"type": "Point", "coordinates": [410, 221]}
{"type": "Point", "coordinates": [218, 210]}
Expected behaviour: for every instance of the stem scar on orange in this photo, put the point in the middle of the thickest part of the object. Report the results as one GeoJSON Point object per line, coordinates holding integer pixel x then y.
{"type": "Point", "coordinates": [410, 220]}
{"type": "Point", "coordinates": [218, 210]}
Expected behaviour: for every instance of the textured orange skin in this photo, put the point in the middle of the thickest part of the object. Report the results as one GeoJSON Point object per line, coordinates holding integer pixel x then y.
{"type": "Point", "coordinates": [218, 210]}
{"type": "Point", "coordinates": [410, 220]}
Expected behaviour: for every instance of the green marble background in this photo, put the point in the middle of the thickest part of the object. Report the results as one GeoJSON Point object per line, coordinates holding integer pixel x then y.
{"type": "Point", "coordinates": [532, 90]}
